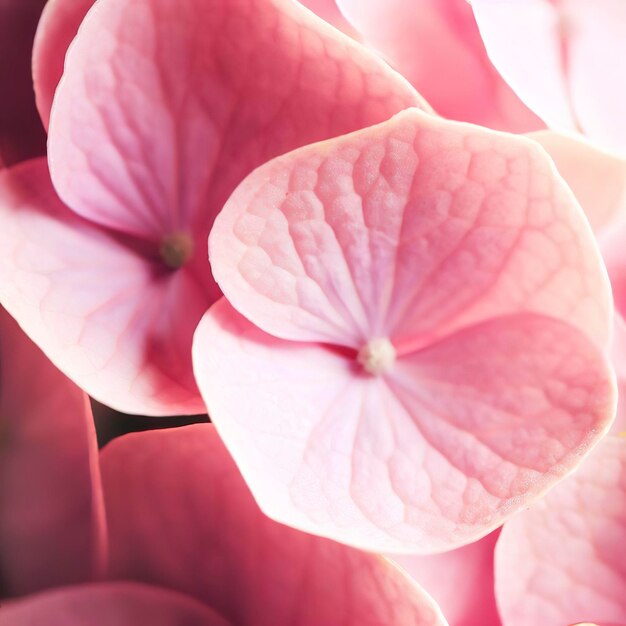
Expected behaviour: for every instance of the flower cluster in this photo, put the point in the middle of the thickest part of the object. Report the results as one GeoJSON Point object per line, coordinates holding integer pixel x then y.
{"type": "Point", "coordinates": [379, 244]}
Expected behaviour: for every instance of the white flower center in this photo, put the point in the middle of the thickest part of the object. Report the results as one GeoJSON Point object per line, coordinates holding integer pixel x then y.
{"type": "Point", "coordinates": [377, 356]}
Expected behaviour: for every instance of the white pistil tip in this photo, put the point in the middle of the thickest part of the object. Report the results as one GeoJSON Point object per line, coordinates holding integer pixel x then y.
{"type": "Point", "coordinates": [377, 356]}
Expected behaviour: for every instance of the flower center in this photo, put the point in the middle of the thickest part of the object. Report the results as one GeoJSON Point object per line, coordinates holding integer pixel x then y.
{"type": "Point", "coordinates": [377, 356]}
{"type": "Point", "coordinates": [176, 249]}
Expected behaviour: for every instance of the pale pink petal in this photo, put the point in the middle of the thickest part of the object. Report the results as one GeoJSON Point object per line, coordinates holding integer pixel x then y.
{"type": "Point", "coordinates": [597, 177]}
{"type": "Point", "coordinates": [451, 441]}
{"type": "Point", "coordinates": [57, 27]}
{"type": "Point", "coordinates": [410, 229]}
{"type": "Point", "coordinates": [52, 521]}
{"type": "Point", "coordinates": [109, 604]}
{"type": "Point", "coordinates": [437, 46]}
{"type": "Point", "coordinates": [113, 319]}
{"type": "Point", "coordinates": [564, 560]}
{"type": "Point", "coordinates": [563, 59]}
{"type": "Point", "coordinates": [181, 516]}
{"type": "Point", "coordinates": [165, 106]}
{"type": "Point", "coordinates": [523, 40]}
{"type": "Point", "coordinates": [461, 581]}
{"type": "Point", "coordinates": [21, 133]}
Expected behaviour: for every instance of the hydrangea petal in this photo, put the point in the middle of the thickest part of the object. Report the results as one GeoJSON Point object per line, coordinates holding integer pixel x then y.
{"type": "Point", "coordinates": [391, 463]}
{"type": "Point", "coordinates": [522, 41]}
{"type": "Point", "coordinates": [105, 314]}
{"type": "Point", "coordinates": [57, 27]}
{"type": "Point", "coordinates": [563, 60]}
{"type": "Point", "coordinates": [21, 134]}
{"type": "Point", "coordinates": [165, 106]}
{"type": "Point", "coordinates": [428, 39]}
{"type": "Point", "coordinates": [564, 560]}
{"type": "Point", "coordinates": [597, 177]}
{"type": "Point", "coordinates": [409, 229]}
{"type": "Point", "coordinates": [52, 517]}
{"type": "Point", "coordinates": [109, 604]}
{"type": "Point", "coordinates": [461, 581]}
{"type": "Point", "coordinates": [206, 536]}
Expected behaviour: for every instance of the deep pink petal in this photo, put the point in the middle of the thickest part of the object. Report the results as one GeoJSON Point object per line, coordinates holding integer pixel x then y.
{"type": "Point", "coordinates": [451, 441]}
{"type": "Point", "coordinates": [165, 106]}
{"type": "Point", "coordinates": [115, 322]}
{"type": "Point", "coordinates": [461, 581]}
{"type": "Point", "coordinates": [564, 560]}
{"type": "Point", "coordinates": [597, 177]}
{"type": "Point", "coordinates": [109, 604]}
{"type": "Point", "coordinates": [562, 59]}
{"type": "Point", "coordinates": [21, 133]}
{"type": "Point", "coordinates": [52, 521]}
{"type": "Point", "coordinates": [57, 27]}
{"type": "Point", "coordinates": [437, 46]}
{"type": "Point", "coordinates": [181, 516]}
{"type": "Point", "coordinates": [409, 229]}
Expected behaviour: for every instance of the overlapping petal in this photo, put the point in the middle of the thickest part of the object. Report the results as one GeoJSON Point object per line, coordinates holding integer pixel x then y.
{"type": "Point", "coordinates": [57, 27]}
{"type": "Point", "coordinates": [437, 46]}
{"type": "Point", "coordinates": [564, 560]}
{"type": "Point", "coordinates": [164, 106]}
{"type": "Point", "coordinates": [597, 177]}
{"type": "Point", "coordinates": [563, 60]}
{"type": "Point", "coordinates": [461, 581]}
{"type": "Point", "coordinates": [181, 516]}
{"type": "Point", "coordinates": [109, 604]}
{"type": "Point", "coordinates": [109, 316]}
{"type": "Point", "coordinates": [52, 522]}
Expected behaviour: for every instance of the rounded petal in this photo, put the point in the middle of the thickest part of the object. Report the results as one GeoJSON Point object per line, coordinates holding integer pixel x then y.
{"type": "Point", "coordinates": [563, 60]}
{"type": "Point", "coordinates": [205, 536]}
{"type": "Point", "coordinates": [52, 522]}
{"type": "Point", "coordinates": [410, 229]}
{"type": "Point", "coordinates": [391, 463]}
{"type": "Point", "coordinates": [165, 106]}
{"type": "Point", "coordinates": [427, 39]}
{"type": "Point", "coordinates": [21, 133]}
{"type": "Point", "coordinates": [564, 560]}
{"type": "Point", "coordinates": [109, 604]}
{"type": "Point", "coordinates": [115, 322]}
{"type": "Point", "coordinates": [57, 27]}
{"type": "Point", "coordinates": [461, 581]}
{"type": "Point", "coordinates": [597, 177]}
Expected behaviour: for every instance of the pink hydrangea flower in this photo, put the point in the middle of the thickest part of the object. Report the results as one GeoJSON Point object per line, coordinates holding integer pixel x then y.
{"type": "Point", "coordinates": [21, 133]}
{"type": "Point", "coordinates": [411, 349]}
{"type": "Point", "coordinates": [52, 521]}
{"type": "Point", "coordinates": [437, 46]}
{"type": "Point", "coordinates": [163, 108]}
{"type": "Point", "coordinates": [564, 60]}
